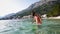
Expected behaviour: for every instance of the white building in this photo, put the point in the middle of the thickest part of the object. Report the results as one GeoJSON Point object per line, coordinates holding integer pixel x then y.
{"type": "Point", "coordinates": [44, 16]}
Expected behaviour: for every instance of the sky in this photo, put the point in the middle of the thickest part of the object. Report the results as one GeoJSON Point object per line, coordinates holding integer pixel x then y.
{"type": "Point", "coordinates": [13, 6]}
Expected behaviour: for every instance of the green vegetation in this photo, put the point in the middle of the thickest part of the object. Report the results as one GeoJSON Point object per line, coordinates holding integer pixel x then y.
{"type": "Point", "coordinates": [54, 10]}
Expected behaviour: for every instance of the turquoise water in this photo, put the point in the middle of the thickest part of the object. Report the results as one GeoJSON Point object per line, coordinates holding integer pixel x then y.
{"type": "Point", "coordinates": [25, 26]}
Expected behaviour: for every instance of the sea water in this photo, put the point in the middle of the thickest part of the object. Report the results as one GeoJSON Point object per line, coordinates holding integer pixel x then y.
{"type": "Point", "coordinates": [26, 26]}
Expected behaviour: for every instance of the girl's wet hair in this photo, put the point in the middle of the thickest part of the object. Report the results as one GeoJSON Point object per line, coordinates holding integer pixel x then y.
{"type": "Point", "coordinates": [33, 13]}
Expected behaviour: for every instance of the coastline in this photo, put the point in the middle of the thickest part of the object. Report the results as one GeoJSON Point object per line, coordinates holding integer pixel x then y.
{"type": "Point", "coordinates": [52, 17]}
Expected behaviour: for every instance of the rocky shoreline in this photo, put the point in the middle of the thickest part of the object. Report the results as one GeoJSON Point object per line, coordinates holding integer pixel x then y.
{"type": "Point", "coordinates": [52, 17]}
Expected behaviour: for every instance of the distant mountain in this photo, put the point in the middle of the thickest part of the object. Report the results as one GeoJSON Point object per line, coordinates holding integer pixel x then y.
{"type": "Point", "coordinates": [41, 7]}
{"type": "Point", "coordinates": [9, 16]}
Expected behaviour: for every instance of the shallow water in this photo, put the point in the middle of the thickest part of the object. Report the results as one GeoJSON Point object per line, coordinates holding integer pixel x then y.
{"type": "Point", "coordinates": [25, 26]}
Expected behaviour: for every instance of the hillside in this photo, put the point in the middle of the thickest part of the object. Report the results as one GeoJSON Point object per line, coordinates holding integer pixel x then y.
{"type": "Point", "coordinates": [55, 10]}
{"type": "Point", "coordinates": [41, 7]}
{"type": "Point", "coordinates": [49, 7]}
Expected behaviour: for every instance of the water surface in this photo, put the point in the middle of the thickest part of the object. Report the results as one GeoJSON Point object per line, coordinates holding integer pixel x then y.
{"type": "Point", "coordinates": [25, 26]}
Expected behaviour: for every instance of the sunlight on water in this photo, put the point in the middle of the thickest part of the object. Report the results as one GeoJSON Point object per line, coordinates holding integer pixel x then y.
{"type": "Point", "coordinates": [25, 26]}
{"type": "Point", "coordinates": [2, 26]}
